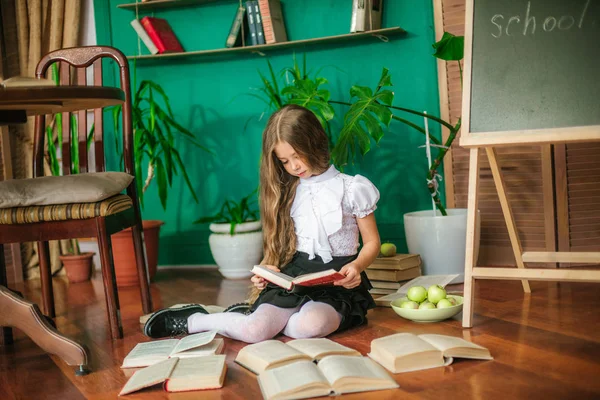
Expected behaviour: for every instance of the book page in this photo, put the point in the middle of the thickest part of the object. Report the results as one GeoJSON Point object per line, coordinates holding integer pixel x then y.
{"type": "Point", "coordinates": [278, 278]}
{"type": "Point", "coordinates": [319, 347]}
{"type": "Point", "coordinates": [257, 357]}
{"type": "Point", "coordinates": [149, 376]}
{"type": "Point", "coordinates": [453, 346]}
{"type": "Point", "coordinates": [298, 377]}
{"type": "Point", "coordinates": [149, 352]}
{"type": "Point", "coordinates": [209, 349]}
{"type": "Point", "coordinates": [425, 281]}
{"type": "Point", "coordinates": [354, 373]}
{"type": "Point", "coordinates": [197, 374]}
{"type": "Point", "coordinates": [195, 340]}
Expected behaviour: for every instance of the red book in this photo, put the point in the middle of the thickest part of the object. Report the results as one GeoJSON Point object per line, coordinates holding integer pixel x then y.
{"type": "Point", "coordinates": [162, 35]}
{"type": "Point", "coordinates": [287, 282]}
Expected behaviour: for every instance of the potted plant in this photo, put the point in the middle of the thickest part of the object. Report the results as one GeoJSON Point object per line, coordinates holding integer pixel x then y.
{"type": "Point", "coordinates": [78, 265]}
{"type": "Point", "coordinates": [236, 241]}
{"type": "Point", "coordinates": [155, 131]}
{"type": "Point", "coordinates": [439, 235]}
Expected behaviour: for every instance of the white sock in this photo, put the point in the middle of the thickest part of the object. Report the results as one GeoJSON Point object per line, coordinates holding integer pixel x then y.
{"type": "Point", "coordinates": [314, 320]}
{"type": "Point", "coordinates": [264, 323]}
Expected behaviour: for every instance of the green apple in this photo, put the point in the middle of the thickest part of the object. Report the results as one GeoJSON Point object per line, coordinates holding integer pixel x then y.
{"type": "Point", "coordinates": [436, 293]}
{"type": "Point", "coordinates": [388, 249]}
{"type": "Point", "coordinates": [444, 303]}
{"type": "Point", "coordinates": [409, 304]}
{"type": "Point", "coordinates": [417, 293]}
{"type": "Point", "coordinates": [426, 305]}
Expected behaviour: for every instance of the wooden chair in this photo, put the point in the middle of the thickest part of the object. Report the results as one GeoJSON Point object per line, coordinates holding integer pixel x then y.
{"type": "Point", "coordinates": [104, 221]}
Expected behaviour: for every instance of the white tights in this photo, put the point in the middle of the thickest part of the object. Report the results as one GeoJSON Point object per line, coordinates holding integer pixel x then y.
{"type": "Point", "coordinates": [313, 319]}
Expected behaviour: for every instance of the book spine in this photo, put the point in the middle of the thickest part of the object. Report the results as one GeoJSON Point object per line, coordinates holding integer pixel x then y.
{"type": "Point", "coordinates": [143, 35]}
{"type": "Point", "coordinates": [153, 34]}
{"type": "Point", "coordinates": [357, 23]}
{"type": "Point", "coordinates": [272, 19]}
{"type": "Point", "coordinates": [251, 23]}
{"type": "Point", "coordinates": [259, 26]}
{"type": "Point", "coordinates": [235, 27]}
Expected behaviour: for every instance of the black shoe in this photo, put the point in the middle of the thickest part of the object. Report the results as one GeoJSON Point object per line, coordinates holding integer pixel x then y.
{"type": "Point", "coordinates": [171, 321]}
{"type": "Point", "coordinates": [242, 308]}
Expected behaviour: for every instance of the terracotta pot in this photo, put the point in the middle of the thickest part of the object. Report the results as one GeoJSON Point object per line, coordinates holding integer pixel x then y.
{"type": "Point", "coordinates": [78, 267]}
{"type": "Point", "coordinates": [124, 255]}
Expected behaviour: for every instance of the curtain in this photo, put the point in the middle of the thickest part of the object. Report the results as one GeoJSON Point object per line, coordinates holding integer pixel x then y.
{"type": "Point", "coordinates": [32, 28]}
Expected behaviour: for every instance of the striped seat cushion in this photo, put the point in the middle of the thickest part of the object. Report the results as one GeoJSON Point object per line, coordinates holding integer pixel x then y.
{"type": "Point", "coordinates": [63, 212]}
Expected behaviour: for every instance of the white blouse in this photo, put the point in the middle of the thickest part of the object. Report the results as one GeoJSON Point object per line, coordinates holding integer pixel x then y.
{"type": "Point", "coordinates": [325, 210]}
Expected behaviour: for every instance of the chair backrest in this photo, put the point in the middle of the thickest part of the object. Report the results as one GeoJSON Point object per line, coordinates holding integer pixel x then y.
{"type": "Point", "coordinates": [73, 63]}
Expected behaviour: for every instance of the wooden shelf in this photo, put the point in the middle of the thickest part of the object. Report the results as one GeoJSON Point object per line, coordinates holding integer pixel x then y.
{"type": "Point", "coordinates": [264, 47]}
{"type": "Point", "coordinates": [155, 4]}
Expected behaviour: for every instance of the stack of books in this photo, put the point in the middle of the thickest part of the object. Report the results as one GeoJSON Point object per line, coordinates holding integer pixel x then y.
{"type": "Point", "coordinates": [387, 273]}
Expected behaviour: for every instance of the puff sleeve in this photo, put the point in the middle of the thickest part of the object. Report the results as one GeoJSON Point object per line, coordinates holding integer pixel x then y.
{"type": "Point", "coordinates": [363, 196]}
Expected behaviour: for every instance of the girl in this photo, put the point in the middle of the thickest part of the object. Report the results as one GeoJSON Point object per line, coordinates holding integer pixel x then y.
{"type": "Point", "coordinates": [312, 215]}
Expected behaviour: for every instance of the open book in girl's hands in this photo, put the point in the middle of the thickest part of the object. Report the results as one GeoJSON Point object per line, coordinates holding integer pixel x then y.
{"type": "Point", "coordinates": [332, 375]}
{"type": "Point", "coordinates": [287, 282]}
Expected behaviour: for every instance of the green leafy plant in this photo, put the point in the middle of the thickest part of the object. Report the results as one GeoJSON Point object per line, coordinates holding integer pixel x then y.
{"type": "Point", "coordinates": [155, 131]}
{"type": "Point", "coordinates": [234, 213]}
{"type": "Point", "coordinates": [369, 111]}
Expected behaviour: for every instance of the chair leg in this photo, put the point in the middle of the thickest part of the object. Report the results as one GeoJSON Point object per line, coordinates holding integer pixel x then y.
{"type": "Point", "coordinates": [142, 266]}
{"type": "Point", "coordinates": [6, 336]}
{"type": "Point", "coordinates": [46, 279]}
{"type": "Point", "coordinates": [109, 279]}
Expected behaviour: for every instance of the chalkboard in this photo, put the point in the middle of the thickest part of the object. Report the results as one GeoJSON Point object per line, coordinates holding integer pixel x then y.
{"type": "Point", "coordinates": [534, 65]}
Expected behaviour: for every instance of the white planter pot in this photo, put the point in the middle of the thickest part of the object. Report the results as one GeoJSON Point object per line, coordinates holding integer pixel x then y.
{"type": "Point", "coordinates": [440, 240]}
{"type": "Point", "coordinates": [236, 254]}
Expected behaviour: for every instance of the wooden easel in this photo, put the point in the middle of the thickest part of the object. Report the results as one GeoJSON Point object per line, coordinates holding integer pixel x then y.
{"type": "Point", "coordinates": [488, 141]}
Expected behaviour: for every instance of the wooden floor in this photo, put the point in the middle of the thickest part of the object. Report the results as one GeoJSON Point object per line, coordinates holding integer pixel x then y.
{"type": "Point", "coordinates": [546, 345]}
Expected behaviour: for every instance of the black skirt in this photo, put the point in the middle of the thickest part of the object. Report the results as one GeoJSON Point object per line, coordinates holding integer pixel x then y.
{"type": "Point", "coordinates": [352, 304]}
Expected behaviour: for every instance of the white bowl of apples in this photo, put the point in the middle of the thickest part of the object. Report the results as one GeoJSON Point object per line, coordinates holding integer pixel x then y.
{"type": "Point", "coordinates": [428, 305]}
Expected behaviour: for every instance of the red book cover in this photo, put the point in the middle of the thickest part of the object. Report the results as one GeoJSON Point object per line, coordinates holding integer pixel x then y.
{"type": "Point", "coordinates": [322, 280]}
{"type": "Point", "coordinates": [162, 35]}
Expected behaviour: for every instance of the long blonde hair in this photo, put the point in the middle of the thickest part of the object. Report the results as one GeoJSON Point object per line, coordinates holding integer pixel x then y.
{"type": "Point", "coordinates": [301, 129]}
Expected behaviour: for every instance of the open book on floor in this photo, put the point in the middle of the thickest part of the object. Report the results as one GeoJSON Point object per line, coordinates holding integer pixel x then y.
{"type": "Point", "coordinates": [287, 282]}
{"type": "Point", "coordinates": [180, 375]}
{"type": "Point", "coordinates": [332, 375]}
{"type": "Point", "coordinates": [269, 354]}
{"type": "Point", "coordinates": [404, 352]}
{"type": "Point", "coordinates": [196, 345]}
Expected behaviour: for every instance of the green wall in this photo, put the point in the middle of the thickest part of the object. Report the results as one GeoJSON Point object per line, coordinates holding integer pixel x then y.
{"type": "Point", "coordinates": [209, 97]}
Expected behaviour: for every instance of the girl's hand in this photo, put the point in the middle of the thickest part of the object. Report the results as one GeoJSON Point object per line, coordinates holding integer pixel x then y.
{"type": "Point", "coordinates": [259, 282]}
{"type": "Point", "coordinates": [352, 279]}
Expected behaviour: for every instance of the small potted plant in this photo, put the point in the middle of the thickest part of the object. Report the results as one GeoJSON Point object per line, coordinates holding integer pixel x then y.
{"type": "Point", "coordinates": [236, 240]}
{"type": "Point", "coordinates": [78, 266]}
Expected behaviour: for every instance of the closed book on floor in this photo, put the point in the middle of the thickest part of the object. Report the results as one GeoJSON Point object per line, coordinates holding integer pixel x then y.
{"type": "Point", "coordinates": [397, 262]}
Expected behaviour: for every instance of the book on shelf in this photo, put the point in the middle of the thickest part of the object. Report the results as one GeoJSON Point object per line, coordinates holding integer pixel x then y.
{"type": "Point", "coordinates": [209, 308]}
{"type": "Point", "coordinates": [196, 345]}
{"type": "Point", "coordinates": [269, 354]}
{"type": "Point", "coordinates": [251, 15]}
{"type": "Point", "coordinates": [25, 81]}
{"type": "Point", "coordinates": [366, 15]}
{"type": "Point", "coordinates": [393, 275]}
{"type": "Point", "coordinates": [161, 34]}
{"type": "Point", "coordinates": [180, 375]}
{"type": "Point", "coordinates": [272, 20]}
{"type": "Point", "coordinates": [404, 352]}
{"type": "Point", "coordinates": [239, 32]}
{"type": "Point", "coordinates": [333, 375]}
{"type": "Point", "coordinates": [143, 35]}
{"type": "Point", "coordinates": [399, 262]}
{"type": "Point", "coordinates": [287, 282]}
{"type": "Point", "coordinates": [260, 35]}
